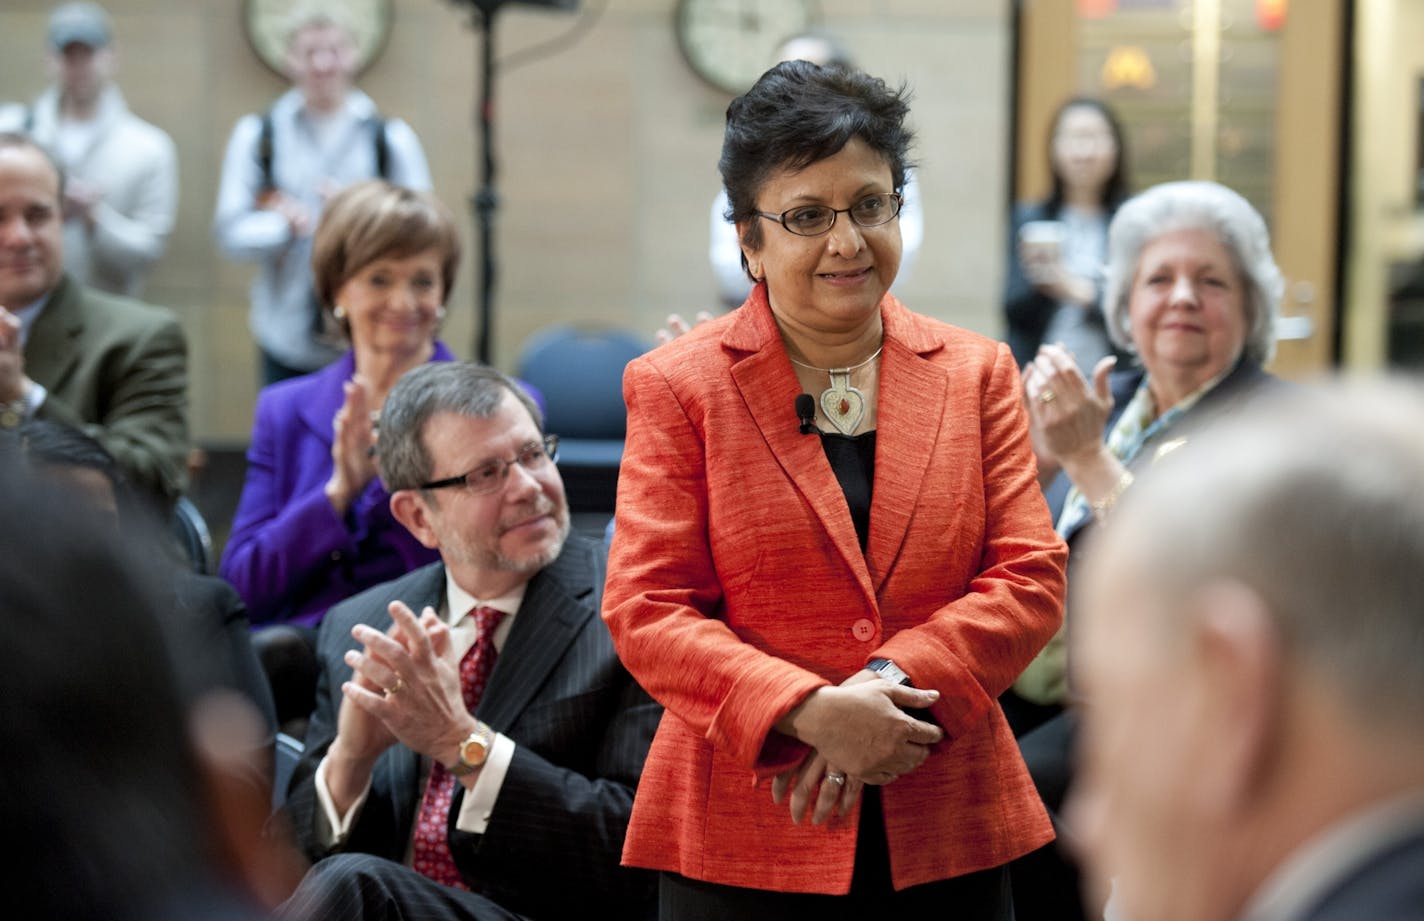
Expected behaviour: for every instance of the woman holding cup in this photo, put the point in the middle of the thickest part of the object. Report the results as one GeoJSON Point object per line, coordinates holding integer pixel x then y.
{"type": "Point", "coordinates": [1057, 246]}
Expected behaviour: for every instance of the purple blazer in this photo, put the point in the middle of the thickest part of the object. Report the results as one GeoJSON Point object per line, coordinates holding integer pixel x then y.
{"type": "Point", "coordinates": [289, 555]}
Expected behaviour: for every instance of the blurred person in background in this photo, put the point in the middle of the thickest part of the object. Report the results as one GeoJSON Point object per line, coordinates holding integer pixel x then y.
{"type": "Point", "coordinates": [120, 172]}
{"type": "Point", "coordinates": [1057, 246]}
{"type": "Point", "coordinates": [127, 790]}
{"type": "Point", "coordinates": [205, 607]}
{"type": "Point", "coordinates": [110, 365]}
{"type": "Point", "coordinates": [281, 168]}
{"type": "Point", "coordinates": [1250, 651]}
{"type": "Point", "coordinates": [1192, 291]}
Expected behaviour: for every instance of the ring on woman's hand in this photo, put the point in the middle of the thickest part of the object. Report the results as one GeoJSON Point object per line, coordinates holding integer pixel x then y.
{"type": "Point", "coordinates": [835, 777]}
{"type": "Point", "coordinates": [394, 689]}
{"type": "Point", "coordinates": [1047, 396]}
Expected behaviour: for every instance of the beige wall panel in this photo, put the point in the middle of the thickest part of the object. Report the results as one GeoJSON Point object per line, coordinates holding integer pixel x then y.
{"type": "Point", "coordinates": [607, 156]}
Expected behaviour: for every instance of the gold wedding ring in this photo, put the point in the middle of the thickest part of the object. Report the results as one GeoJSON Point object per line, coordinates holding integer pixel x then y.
{"type": "Point", "coordinates": [835, 777]}
{"type": "Point", "coordinates": [394, 689]}
{"type": "Point", "coordinates": [1047, 396]}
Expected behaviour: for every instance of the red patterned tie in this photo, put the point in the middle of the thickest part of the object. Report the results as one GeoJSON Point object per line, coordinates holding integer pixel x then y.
{"type": "Point", "coordinates": [432, 840]}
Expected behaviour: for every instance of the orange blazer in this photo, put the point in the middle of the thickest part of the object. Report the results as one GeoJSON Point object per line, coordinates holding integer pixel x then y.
{"type": "Point", "coordinates": [737, 587]}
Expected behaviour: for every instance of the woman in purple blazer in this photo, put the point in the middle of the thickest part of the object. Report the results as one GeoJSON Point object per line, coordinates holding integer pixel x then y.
{"type": "Point", "coordinates": [313, 525]}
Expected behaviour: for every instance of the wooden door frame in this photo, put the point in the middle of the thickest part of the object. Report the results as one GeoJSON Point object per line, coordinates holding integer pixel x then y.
{"type": "Point", "coordinates": [1312, 151]}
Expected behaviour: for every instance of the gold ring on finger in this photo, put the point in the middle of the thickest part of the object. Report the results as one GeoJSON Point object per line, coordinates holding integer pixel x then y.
{"type": "Point", "coordinates": [835, 777]}
{"type": "Point", "coordinates": [394, 689]}
{"type": "Point", "coordinates": [1047, 396]}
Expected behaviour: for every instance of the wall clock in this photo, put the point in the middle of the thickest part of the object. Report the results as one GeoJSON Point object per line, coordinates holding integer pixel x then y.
{"type": "Point", "coordinates": [266, 23]}
{"type": "Point", "coordinates": [730, 43]}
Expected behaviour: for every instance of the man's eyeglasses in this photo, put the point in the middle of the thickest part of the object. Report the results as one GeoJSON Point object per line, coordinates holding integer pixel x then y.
{"type": "Point", "coordinates": [490, 475]}
{"type": "Point", "coordinates": [814, 220]}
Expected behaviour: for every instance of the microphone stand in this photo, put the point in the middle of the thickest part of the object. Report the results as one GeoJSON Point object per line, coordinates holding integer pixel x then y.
{"type": "Point", "coordinates": [485, 202]}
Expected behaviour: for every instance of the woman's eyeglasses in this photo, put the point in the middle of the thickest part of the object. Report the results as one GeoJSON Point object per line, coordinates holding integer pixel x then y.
{"type": "Point", "coordinates": [814, 220]}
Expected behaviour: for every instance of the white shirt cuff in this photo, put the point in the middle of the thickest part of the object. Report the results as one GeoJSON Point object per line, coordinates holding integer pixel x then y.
{"type": "Point", "coordinates": [35, 398]}
{"type": "Point", "coordinates": [334, 829]}
{"type": "Point", "coordinates": [479, 800]}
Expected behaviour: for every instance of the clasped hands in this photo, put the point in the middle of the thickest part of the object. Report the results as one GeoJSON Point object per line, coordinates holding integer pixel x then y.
{"type": "Point", "coordinates": [404, 687]}
{"type": "Point", "coordinates": [859, 734]}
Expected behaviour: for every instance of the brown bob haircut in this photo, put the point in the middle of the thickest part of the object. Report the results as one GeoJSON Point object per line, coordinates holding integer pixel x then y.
{"type": "Point", "coordinates": [375, 220]}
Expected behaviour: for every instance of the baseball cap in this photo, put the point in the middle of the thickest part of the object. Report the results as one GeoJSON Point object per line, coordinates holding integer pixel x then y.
{"type": "Point", "coordinates": [85, 23]}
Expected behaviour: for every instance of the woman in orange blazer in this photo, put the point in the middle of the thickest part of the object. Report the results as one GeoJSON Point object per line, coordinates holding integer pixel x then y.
{"type": "Point", "coordinates": [828, 516]}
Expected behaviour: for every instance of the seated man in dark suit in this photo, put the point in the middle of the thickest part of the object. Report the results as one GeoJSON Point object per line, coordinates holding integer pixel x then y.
{"type": "Point", "coordinates": [112, 366]}
{"type": "Point", "coordinates": [1251, 656]}
{"type": "Point", "coordinates": [505, 691]}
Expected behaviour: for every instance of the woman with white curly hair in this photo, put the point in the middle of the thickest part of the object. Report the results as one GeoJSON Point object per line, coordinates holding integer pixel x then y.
{"type": "Point", "coordinates": [1192, 292]}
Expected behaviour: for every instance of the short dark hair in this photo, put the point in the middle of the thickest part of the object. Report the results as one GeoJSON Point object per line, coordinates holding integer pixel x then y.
{"type": "Point", "coordinates": [461, 387]}
{"type": "Point", "coordinates": [798, 114]}
{"type": "Point", "coordinates": [47, 443]}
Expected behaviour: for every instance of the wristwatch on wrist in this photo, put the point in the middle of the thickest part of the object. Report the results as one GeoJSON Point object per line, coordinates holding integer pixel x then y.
{"type": "Point", "coordinates": [896, 675]}
{"type": "Point", "coordinates": [889, 671]}
{"type": "Point", "coordinates": [473, 751]}
{"type": "Point", "coordinates": [16, 411]}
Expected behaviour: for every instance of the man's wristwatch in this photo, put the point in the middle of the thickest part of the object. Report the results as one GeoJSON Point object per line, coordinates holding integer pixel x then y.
{"type": "Point", "coordinates": [473, 751]}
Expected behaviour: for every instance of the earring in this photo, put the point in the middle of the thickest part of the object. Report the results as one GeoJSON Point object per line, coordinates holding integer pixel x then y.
{"type": "Point", "coordinates": [440, 314]}
{"type": "Point", "coordinates": [339, 312]}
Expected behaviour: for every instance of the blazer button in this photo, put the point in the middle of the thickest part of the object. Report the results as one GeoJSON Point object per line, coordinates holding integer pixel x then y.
{"type": "Point", "coordinates": [863, 630]}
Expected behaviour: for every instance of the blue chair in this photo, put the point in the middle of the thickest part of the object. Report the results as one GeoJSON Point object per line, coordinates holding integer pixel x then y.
{"type": "Point", "coordinates": [579, 370]}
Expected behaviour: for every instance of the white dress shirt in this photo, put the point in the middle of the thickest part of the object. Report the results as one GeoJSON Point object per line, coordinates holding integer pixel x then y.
{"type": "Point", "coordinates": [479, 800]}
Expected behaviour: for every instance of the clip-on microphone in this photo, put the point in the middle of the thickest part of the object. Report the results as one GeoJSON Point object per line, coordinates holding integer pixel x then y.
{"type": "Point", "coordinates": [806, 412]}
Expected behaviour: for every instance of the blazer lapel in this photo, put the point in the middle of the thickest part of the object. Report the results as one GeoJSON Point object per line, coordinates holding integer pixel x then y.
{"type": "Point", "coordinates": [557, 604]}
{"type": "Point", "coordinates": [50, 351]}
{"type": "Point", "coordinates": [911, 409]}
{"type": "Point", "coordinates": [768, 386]}
{"type": "Point", "coordinates": [321, 404]}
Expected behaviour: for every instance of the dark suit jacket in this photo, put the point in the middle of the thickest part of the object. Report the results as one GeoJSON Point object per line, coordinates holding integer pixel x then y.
{"type": "Point", "coordinates": [582, 727]}
{"type": "Point", "coordinates": [1388, 887]}
{"type": "Point", "coordinates": [219, 648]}
{"type": "Point", "coordinates": [117, 369]}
